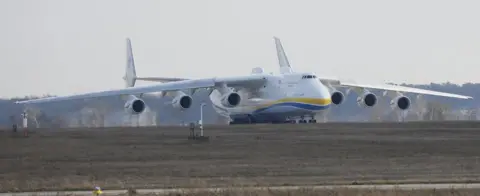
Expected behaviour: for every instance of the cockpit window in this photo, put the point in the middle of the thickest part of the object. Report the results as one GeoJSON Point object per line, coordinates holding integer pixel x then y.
{"type": "Point", "coordinates": [309, 76]}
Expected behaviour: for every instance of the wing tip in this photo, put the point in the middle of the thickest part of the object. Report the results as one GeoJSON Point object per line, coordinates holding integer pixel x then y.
{"type": "Point", "coordinates": [466, 97]}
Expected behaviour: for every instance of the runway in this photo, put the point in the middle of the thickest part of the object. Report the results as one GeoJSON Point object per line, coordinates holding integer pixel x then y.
{"type": "Point", "coordinates": [275, 188]}
{"type": "Point", "coordinates": [251, 155]}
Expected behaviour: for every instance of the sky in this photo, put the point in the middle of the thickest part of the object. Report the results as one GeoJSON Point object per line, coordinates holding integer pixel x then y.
{"type": "Point", "coordinates": [67, 47]}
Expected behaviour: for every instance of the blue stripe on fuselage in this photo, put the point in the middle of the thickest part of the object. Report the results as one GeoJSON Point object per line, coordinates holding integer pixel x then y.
{"type": "Point", "coordinates": [304, 106]}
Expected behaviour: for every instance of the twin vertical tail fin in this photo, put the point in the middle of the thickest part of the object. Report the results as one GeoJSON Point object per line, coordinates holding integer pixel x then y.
{"type": "Point", "coordinates": [130, 73]}
{"type": "Point", "coordinates": [282, 58]}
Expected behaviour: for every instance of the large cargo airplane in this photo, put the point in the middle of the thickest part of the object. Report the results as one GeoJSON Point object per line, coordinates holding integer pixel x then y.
{"type": "Point", "coordinates": [258, 95]}
{"type": "Point", "coordinates": [287, 97]}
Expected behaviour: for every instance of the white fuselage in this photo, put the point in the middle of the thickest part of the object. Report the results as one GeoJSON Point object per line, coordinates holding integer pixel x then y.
{"type": "Point", "coordinates": [293, 94]}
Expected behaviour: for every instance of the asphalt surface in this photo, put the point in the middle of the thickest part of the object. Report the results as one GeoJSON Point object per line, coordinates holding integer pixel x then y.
{"type": "Point", "coordinates": [260, 155]}
{"type": "Point", "coordinates": [474, 186]}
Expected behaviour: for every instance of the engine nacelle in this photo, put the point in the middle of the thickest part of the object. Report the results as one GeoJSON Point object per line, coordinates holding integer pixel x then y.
{"type": "Point", "coordinates": [368, 99]}
{"type": "Point", "coordinates": [400, 102]}
{"type": "Point", "coordinates": [134, 105]}
{"type": "Point", "coordinates": [230, 99]}
{"type": "Point", "coordinates": [182, 101]}
{"type": "Point", "coordinates": [337, 97]}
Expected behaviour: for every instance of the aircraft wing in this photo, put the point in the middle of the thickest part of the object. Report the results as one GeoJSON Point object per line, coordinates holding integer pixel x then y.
{"type": "Point", "coordinates": [394, 88]}
{"type": "Point", "coordinates": [161, 79]}
{"type": "Point", "coordinates": [250, 81]}
{"type": "Point", "coordinates": [171, 86]}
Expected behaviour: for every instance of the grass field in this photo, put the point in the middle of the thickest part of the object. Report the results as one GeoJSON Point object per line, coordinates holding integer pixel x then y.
{"type": "Point", "coordinates": [336, 192]}
{"type": "Point", "coordinates": [310, 192]}
{"type": "Point", "coordinates": [259, 155]}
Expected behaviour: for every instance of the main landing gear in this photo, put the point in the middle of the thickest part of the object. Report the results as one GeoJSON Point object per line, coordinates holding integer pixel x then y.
{"type": "Point", "coordinates": [302, 120]}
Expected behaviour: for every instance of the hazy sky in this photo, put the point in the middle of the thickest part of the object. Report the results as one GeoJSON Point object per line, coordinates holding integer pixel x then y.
{"type": "Point", "coordinates": [63, 47]}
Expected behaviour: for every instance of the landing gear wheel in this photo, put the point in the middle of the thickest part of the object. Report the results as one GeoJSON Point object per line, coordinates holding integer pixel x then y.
{"type": "Point", "coordinates": [289, 121]}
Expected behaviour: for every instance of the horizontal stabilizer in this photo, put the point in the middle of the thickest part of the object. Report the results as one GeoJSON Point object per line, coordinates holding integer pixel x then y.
{"type": "Point", "coordinates": [160, 79]}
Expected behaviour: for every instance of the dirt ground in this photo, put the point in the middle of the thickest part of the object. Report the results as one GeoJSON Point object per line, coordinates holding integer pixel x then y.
{"type": "Point", "coordinates": [240, 155]}
{"type": "Point", "coordinates": [340, 192]}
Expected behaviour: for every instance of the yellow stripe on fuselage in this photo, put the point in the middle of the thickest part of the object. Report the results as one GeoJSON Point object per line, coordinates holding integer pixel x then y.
{"type": "Point", "coordinates": [312, 101]}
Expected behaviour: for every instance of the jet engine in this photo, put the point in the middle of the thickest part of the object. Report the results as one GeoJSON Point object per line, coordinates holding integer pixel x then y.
{"type": "Point", "coordinates": [182, 101]}
{"type": "Point", "coordinates": [337, 97]}
{"type": "Point", "coordinates": [134, 105]}
{"type": "Point", "coordinates": [230, 99]}
{"type": "Point", "coordinates": [400, 102]}
{"type": "Point", "coordinates": [368, 99]}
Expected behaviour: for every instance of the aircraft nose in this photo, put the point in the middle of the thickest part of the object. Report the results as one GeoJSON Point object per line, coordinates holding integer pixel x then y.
{"type": "Point", "coordinates": [324, 94]}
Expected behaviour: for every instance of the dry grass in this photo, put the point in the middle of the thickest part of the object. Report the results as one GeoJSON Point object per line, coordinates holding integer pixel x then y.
{"type": "Point", "coordinates": [333, 192]}
{"type": "Point", "coordinates": [317, 192]}
{"type": "Point", "coordinates": [260, 155]}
